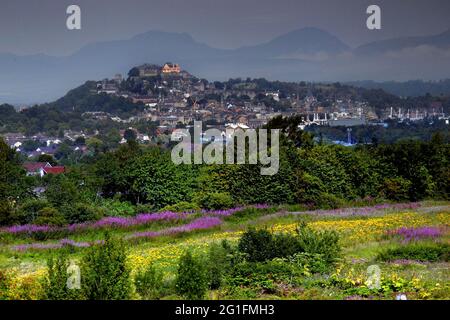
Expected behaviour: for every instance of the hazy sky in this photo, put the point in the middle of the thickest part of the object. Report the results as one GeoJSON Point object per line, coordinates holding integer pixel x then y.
{"type": "Point", "coordinates": [28, 27]}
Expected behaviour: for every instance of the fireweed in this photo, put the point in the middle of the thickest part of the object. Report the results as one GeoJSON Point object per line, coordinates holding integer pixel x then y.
{"type": "Point", "coordinates": [123, 222]}
{"type": "Point", "coordinates": [413, 234]}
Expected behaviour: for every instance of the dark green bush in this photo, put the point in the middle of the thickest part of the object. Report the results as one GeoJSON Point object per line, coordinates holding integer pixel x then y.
{"type": "Point", "coordinates": [219, 263]}
{"type": "Point", "coordinates": [28, 211]}
{"type": "Point", "coordinates": [8, 216]}
{"type": "Point", "coordinates": [192, 278]}
{"type": "Point", "coordinates": [149, 283]}
{"type": "Point", "coordinates": [396, 188]}
{"type": "Point", "coordinates": [81, 212]}
{"type": "Point", "coordinates": [417, 251]}
{"type": "Point", "coordinates": [257, 245]}
{"type": "Point", "coordinates": [49, 216]}
{"type": "Point", "coordinates": [55, 284]}
{"type": "Point", "coordinates": [104, 272]}
{"type": "Point", "coordinates": [214, 200]}
{"type": "Point", "coordinates": [285, 245]}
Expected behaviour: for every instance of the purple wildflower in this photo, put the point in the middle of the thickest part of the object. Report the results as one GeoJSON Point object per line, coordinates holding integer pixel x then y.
{"type": "Point", "coordinates": [413, 234]}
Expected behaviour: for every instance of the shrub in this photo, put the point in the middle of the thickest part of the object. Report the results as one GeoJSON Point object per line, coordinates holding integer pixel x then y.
{"type": "Point", "coordinates": [8, 215]}
{"type": "Point", "coordinates": [329, 201]}
{"type": "Point", "coordinates": [285, 245]}
{"type": "Point", "coordinates": [214, 200]}
{"type": "Point", "coordinates": [257, 245]}
{"type": "Point", "coordinates": [28, 211]}
{"type": "Point", "coordinates": [5, 282]}
{"type": "Point", "coordinates": [310, 262]}
{"type": "Point", "coordinates": [417, 251]}
{"type": "Point", "coordinates": [55, 284]}
{"type": "Point", "coordinates": [181, 207]}
{"type": "Point", "coordinates": [115, 208]}
{"type": "Point", "coordinates": [192, 280]}
{"type": "Point", "coordinates": [219, 263]}
{"type": "Point", "coordinates": [325, 243]}
{"type": "Point", "coordinates": [149, 283]}
{"type": "Point", "coordinates": [81, 212]}
{"type": "Point", "coordinates": [396, 188]}
{"type": "Point", "coordinates": [49, 216]}
{"type": "Point", "coordinates": [104, 272]}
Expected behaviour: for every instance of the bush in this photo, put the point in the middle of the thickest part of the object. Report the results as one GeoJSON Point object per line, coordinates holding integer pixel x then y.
{"type": "Point", "coordinates": [104, 272]}
{"type": "Point", "coordinates": [28, 211]}
{"type": "Point", "coordinates": [149, 283]}
{"type": "Point", "coordinates": [219, 263]}
{"type": "Point", "coordinates": [329, 201]}
{"type": "Point", "coordinates": [56, 282]}
{"type": "Point", "coordinates": [417, 251]}
{"type": "Point", "coordinates": [8, 215]}
{"type": "Point", "coordinates": [396, 189]}
{"type": "Point", "coordinates": [214, 200]}
{"type": "Point", "coordinates": [181, 207]}
{"type": "Point", "coordinates": [261, 245]}
{"type": "Point", "coordinates": [257, 245]}
{"type": "Point", "coordinates": [325, 243]}
{"type": "Point", "coordinates": [310, 262]}
{"type": "Point", "coordinates": [192, 280]}
{"type": "Point", "coordinates": [5, 282]}
{"type": "Point", "coordinates": [49, 216]}
{"type": "Point", "coordinates": [81, 212]}
{"type": "Point", "coordinates": [115, 208]}
{"type": "Point", "coordinates": [285, 245]}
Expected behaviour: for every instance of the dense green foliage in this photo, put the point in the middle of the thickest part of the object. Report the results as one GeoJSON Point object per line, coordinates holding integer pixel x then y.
{"type": "Point", "coordinates": [104, 272]}
{"type": "Point", "coordinates": [192, 279]}
{"type": "Point", "coordinates": [431, 252]}
{"type": "Point", "coordinates": [261, 245]}
{"type": "Point", "coordinates": [149, 283]}
{"type": "Point", "coordinates": [131, 179]}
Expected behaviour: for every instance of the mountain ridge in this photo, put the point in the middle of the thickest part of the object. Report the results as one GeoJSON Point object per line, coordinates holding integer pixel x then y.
{"type": "Point", "coordinates": [309, 54]}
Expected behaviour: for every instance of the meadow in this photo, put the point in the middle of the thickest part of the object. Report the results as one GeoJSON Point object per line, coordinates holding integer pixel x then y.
{"type": "Point", "coordinates": [407, 245]}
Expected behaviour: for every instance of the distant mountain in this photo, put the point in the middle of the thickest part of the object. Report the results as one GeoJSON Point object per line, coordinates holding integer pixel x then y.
{"type": "Point", "coordinates": [441, 41]}
{"type": "Point", "coordinates": [307, 54]}
{"type": "Point", "coordinates": [299, 43]}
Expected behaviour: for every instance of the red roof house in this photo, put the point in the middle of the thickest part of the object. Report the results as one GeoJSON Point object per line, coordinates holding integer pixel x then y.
{"type": "Point", "coordinates": [55, 170]}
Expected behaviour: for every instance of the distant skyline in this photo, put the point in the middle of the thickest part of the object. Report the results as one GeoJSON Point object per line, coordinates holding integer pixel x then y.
{"type": "Point", "coordinates": [39, 27]}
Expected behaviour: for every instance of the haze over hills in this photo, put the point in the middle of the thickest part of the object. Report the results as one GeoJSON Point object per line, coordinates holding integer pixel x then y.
{"type": "Point", "coordinates": [308, 54]}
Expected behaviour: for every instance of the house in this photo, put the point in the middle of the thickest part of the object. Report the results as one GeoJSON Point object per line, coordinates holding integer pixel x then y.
{"type": "Point", "coordinates": [42, 168]}
{"type": "Point", "coordinates": [54, 170]}
{"type": "Point", "coordinates": [36, 168]}
{"type": "Point", "coordinates": [231, 128]}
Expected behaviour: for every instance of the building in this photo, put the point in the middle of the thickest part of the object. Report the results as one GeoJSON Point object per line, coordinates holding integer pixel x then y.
{"type": "Point", "coordinates": [36, 168]}
{"type": "Point", "coordinates": [149, 70]}
{"type": "Point", "coordinates": [42, 168]}
{"type": "Point", "coordinates": [170, 68]}
{"type": "Point", "coordinates": [231, 128]}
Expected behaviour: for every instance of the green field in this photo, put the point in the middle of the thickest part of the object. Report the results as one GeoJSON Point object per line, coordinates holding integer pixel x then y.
{"type": "Point", "coordinates": [362, 233]}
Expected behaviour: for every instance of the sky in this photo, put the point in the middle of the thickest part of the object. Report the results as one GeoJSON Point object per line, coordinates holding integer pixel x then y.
{"type": "Point", "coordinates": [32, 27]}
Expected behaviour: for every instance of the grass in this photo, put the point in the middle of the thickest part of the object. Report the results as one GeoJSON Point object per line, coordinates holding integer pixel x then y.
{"type": "Point", "coordinates": [361, 237]}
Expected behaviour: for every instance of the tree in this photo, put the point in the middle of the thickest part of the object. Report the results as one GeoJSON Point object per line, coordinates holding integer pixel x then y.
{"type": "Point", "coordinates": [192, 279]}
{"type": "Point", "coordinates": [154, 178]}
{"type": "Point", "coordinates": [13, 182]}
{"type": "Point", "coordinates": [130, 135]}
{"type": "Point", "coordinates": [105, 274]}
{"type": "Point", "coordinates": [47, 158]}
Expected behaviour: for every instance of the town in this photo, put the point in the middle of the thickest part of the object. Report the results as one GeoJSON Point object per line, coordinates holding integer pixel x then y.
{"type": "Point", "coordinates": [167, 98]}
